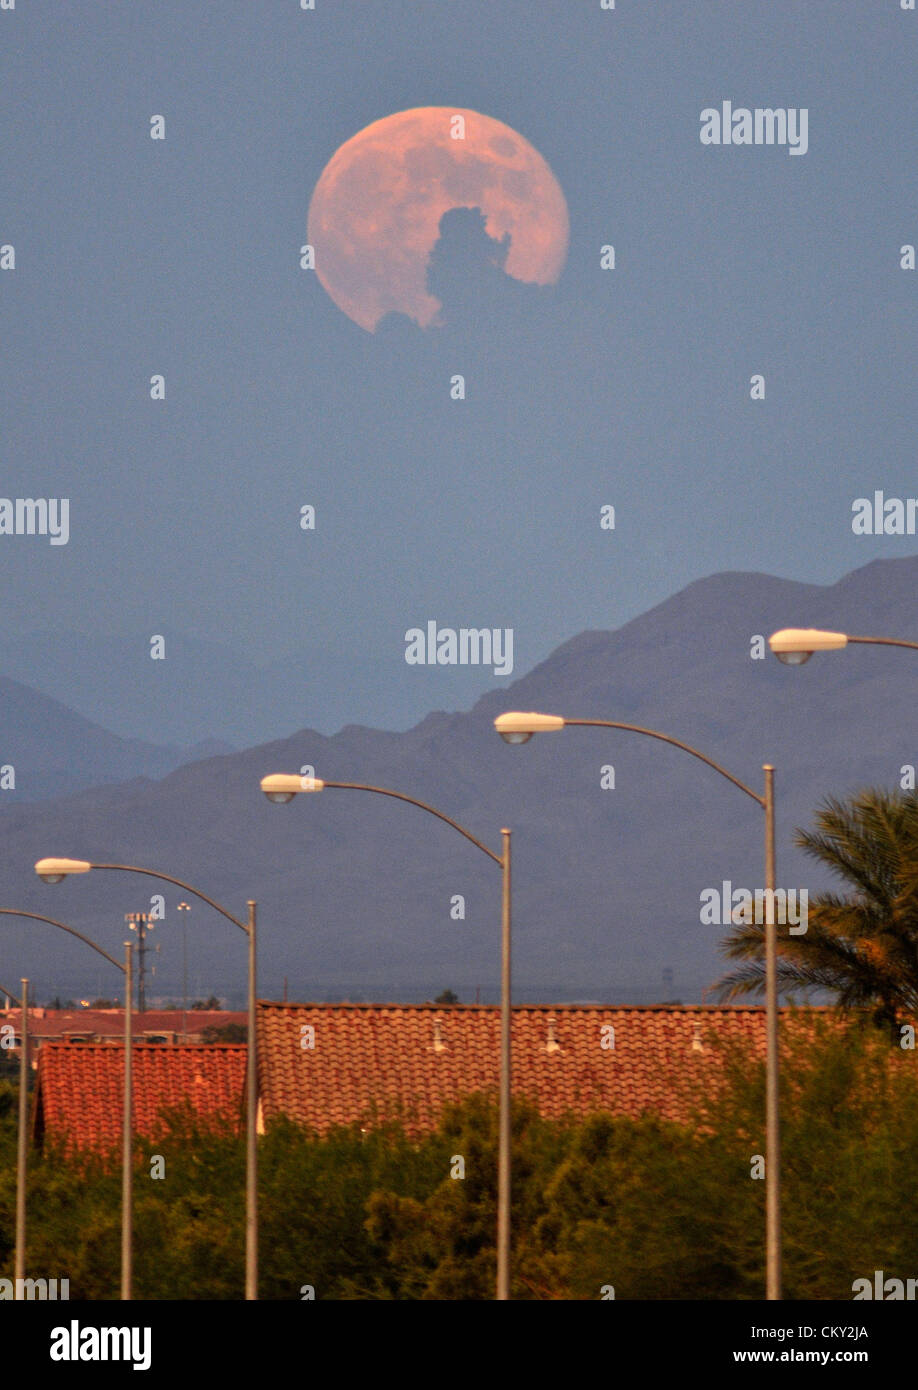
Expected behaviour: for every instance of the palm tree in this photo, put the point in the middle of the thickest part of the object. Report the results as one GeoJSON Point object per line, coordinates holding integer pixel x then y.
{"type": "Point", "coordinates": [862, 946]}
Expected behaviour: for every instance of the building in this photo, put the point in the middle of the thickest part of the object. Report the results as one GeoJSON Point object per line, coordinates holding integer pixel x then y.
{"type": "Point", "coordinates": [323, 1065]}
{"type": "Point", "coordinates": [107, 1025]}
{"type": "Point", "coordinates": [327, 1064]}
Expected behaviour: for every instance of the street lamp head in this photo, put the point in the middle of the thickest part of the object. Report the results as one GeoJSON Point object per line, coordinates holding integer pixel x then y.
{"type": "Point", "coordinates": [795, 645]}
{"type": "Point", "coordinates": [282, 787]}
{"type": "Point", "coordinates": [56, 870]}
{"type": "Point", "coordinates": [516, 727]}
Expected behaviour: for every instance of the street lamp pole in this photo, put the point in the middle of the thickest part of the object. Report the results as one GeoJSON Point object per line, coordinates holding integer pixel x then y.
{"type": "Point", "coordinates": [504, 1149]}
{"type": "Point", "coordinates": [22, 1145]}
{"type": "Point", "coordinates": [53, 871]}
{"type": "Point", "coordinates": [772, 1061]}
{"type": "Point", "coordinates": [516, 727]}
{"type": "Point", "coordinates": [283, 787]}
{"type": "Point", "coordinates": [795, 645]}
{"type": "Point", "coordinates": [251, 1129]}
{"type": "Point", "coordinates": [22, 1137]}
{"type": "Point", "coordinates": [127, 1147]}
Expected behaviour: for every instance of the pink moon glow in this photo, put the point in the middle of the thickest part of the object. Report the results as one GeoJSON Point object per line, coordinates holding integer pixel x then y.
{"type": "Point", "coordinates": [375, 211]}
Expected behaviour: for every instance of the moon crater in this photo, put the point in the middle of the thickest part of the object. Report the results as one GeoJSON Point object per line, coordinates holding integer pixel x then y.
{"type": "Point", "coordinates": [375, 212]}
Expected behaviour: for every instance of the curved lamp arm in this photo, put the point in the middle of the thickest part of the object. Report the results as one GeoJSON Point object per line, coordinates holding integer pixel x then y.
{"type": "Point", "coordinates": [179, 883]}
{"type": "Point", "coordinates": [422, 805]}
{"type": "Point", "coordinates": [886, 642]}
{"type": "Point", "coordinates": [38, 917]}
{"type": "Point", "coordinates": [677, 743]}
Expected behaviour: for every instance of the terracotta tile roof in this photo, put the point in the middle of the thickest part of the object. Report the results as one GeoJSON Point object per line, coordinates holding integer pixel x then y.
{"type": "Point", "coordinates": [79, 1088]}
{"type": "Point", "coordinates": [375, 1061]}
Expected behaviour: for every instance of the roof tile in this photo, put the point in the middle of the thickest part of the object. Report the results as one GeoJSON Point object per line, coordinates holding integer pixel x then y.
{"type": "Point", "coordinates": [79, 1089]}
{"type": "Point", "coordinates": [372, 1062]}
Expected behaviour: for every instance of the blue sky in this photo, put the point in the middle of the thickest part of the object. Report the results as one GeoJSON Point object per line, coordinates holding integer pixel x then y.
{"type": "Point", "coordinates": [632, 387]}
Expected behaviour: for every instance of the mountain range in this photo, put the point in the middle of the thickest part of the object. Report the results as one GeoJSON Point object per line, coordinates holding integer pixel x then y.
{"type": "Point", "coordinates": [358, 894]}
{"type": "Point", "coordinates": [51, 751]}
{"type": "Point", "coordinates": [205, 692]}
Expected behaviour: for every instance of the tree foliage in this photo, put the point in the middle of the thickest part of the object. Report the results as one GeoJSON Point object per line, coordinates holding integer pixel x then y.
{"type": "Point", "coordinates": [860, 946]}
{"type": "Point", "coordinates": [653, 1209]}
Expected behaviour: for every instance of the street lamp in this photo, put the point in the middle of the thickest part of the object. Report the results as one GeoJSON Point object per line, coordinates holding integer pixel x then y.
{"type": "Point", "coordinates": [517, 727]}
{"type": "Point", "coordinates": [795, 645]}
{"type": "Point", "coordinates": [283, 787]}
{"type": "Point", "coordinates": [127, 1168]}
{"type": "Point", "coordinates": [55, 871]}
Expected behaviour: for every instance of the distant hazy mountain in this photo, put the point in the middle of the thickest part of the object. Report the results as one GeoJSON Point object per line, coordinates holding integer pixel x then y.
{"type": "Point", "coordinates": [198, 691]}
{"type": "Point", "coordinates": [203, 691]}
{"type": "Point", "coordinates": [355, 891]}
{"type": "Point", "coordinates": [47, 750]}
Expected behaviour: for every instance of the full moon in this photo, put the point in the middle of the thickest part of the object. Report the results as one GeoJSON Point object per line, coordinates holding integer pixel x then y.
{"type": "Point", "coordinates": [375, 212]}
